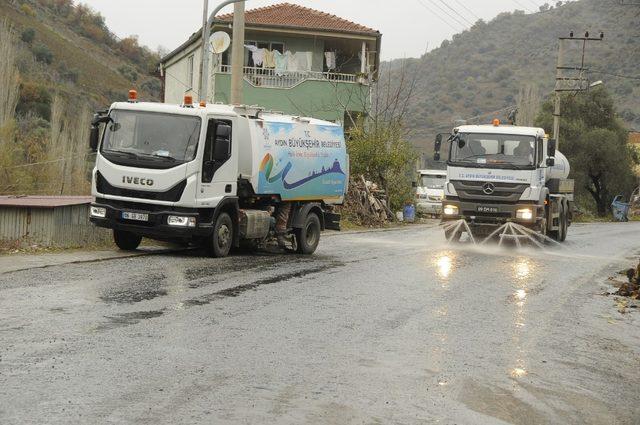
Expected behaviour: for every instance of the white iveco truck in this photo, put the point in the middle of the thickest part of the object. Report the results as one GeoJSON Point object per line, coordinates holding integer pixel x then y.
{"type": "Point", "coordinates": [499, 173]}
{"type": "Point", "coordinates": [215, 175]}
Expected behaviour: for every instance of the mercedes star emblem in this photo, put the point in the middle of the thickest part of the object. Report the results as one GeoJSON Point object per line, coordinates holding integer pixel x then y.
{"type": "Point", "coordinates": [488, 188]}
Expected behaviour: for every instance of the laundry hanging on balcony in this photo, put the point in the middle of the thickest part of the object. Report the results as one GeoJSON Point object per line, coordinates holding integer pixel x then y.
{"type": "Point", "coordinates": [281, 62]}
{"type": "Point", "coordinates": [269, 58]}
{"type": "Point", "coordinates": [330, 59]}
{"type": "Point", "coordinates": [256, 54]}
{"type": "Point", "coordinates": [299, 61]}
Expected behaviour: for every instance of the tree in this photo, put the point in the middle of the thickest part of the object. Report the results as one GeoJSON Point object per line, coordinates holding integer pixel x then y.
{"type": "Point", "coordinates": [595, 142]}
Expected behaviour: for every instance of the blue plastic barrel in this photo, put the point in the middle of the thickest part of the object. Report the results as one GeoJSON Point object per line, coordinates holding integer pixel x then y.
{"type": "Point", "coordinates": [409, 213]}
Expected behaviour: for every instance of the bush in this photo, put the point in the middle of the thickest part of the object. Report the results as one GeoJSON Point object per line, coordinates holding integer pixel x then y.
{"type": "Point", "coordinates": [153, 87]}
{"type": "Point", "coordinates": [28, 35]}
{"type": "Point", "coordinates": [27, 10]}
{"type": "Point", "coordinates": [35, 100]}
{"type": "Point", "coordinates": [67, 74]}
{"type": "Point", "coordinates": [43, 54]}
{"type": "Point", "coordinates": [128, 72]}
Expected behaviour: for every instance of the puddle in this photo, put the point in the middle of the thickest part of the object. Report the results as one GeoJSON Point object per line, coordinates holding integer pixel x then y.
{"type": "Point", "coordinates": [238, 290]}
{"type": "Point", "coordinates": [127, 319]}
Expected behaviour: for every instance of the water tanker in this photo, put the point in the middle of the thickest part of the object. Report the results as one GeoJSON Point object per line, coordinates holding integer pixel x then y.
{"type": "Point", "coordinates": [215, 175]}
{"type": "Point", "coordinates": [501, 174]}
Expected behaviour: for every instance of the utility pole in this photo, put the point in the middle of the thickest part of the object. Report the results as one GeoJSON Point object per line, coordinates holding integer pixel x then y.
{"type": "Point", "coordinates": [205, 51]}
{"type": "Point", "coordinates": [562, 80]}
{"type": "Point", "coordinates": [237, 53]}
{"type": "Point", "coordinates": [206, 30]}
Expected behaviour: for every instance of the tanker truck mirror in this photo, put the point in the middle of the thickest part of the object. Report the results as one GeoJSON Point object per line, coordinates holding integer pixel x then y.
{"type": "Point", "coordinates": [551, 161]}
{"type": "Point", "coordinates": [94, 137]}
{"type": "Point", "coordinates": [438, 143]}
{"type": "Point", "coordinates": [436, 156]}
{"type": "Point", "coordinates": [221, 150]}
{"type": "Point", "coordinates": [551, 147]}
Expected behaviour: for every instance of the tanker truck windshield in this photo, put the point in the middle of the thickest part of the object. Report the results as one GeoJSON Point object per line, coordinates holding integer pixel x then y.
{"type": "Point", "coordinates": [154, 140]}
{"type": "Point", "coordinates": [493, 151]}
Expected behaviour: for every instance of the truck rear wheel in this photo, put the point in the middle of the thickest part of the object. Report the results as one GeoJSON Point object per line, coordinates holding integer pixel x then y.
{"type": "Point", "coordinates": [308, 237]}
{"type": "Point", "coordinates": [126, 241]}
{"type": "Point", "coordinates": [564, 224]}
{"type": "Point", "coordinates": [219, 243]}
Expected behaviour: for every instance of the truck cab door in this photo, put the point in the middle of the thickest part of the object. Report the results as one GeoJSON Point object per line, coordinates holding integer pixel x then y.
{"type": "Point", "coordinates": [218, 173]}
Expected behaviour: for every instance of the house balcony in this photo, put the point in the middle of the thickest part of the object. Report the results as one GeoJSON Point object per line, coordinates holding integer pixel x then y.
{"type": "Point", "coordinates": [269, 78]}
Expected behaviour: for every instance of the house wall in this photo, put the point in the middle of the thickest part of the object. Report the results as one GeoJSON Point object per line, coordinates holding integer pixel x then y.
{"type": "Point", "coordinates": [313, 98]}
{"type": "Point", "coordinates": [176, 84]}
{"type": "Point", "coordinates": [64, 227]}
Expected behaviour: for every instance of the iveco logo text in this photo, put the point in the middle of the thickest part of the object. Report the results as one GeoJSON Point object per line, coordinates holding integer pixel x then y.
{"type": "Point", "coordinates": [137, 180]}
{"type": "Point", "coordinates": [488, 188]}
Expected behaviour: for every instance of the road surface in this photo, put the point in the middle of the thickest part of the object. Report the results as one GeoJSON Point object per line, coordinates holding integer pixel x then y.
{"type": "Point", "coordinates": [384, 327]}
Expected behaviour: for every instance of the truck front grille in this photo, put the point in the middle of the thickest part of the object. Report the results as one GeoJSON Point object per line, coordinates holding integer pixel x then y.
{"type": "Point", "coordinates": [503, 192]}
{"type": "Point", "coordinates": [172, 195]}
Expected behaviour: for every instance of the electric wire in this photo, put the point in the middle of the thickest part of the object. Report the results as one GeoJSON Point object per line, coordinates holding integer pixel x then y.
{"type": "Point", "coordinates": [457, 13]}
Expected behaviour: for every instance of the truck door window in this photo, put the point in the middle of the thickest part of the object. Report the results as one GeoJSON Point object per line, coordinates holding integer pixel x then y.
{"type": "Point", "coordinates": [210, 164]}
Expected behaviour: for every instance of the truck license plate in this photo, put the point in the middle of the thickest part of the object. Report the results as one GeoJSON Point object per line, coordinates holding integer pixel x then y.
{"type": "Point", "coordinates": [135, 216]}
{"type": "Point", "coordinates": [485, 209]}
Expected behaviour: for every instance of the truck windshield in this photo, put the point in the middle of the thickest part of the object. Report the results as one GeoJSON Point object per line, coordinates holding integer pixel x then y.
{"type": "Point", "coordinates": [493, 150]}
{"type": "Point", "coordinates": [433, 181]}
{"type": "Point", "coordinates": [149, 135]}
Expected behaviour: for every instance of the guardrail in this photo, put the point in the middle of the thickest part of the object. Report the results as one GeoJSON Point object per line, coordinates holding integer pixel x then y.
{"type": "Point", "coordinates": [267, 77]}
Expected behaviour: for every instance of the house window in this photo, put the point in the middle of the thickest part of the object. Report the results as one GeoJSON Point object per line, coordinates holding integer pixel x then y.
{"type": "Point", "coordinates": [190, 72]}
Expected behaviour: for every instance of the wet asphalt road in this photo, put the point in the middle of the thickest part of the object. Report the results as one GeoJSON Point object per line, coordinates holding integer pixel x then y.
{"type": "Point", "coordinates": [388, 327]}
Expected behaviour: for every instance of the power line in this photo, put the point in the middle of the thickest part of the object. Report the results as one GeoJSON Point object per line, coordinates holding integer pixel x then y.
{"type": "Point", "coordinates": [457, 13]}
{"type": "Point", "coordinates": [467, 9]}
{"type": "Point", "coordinates": [436, 15]}
{"type": "Point", "coordinates": [447, 13]}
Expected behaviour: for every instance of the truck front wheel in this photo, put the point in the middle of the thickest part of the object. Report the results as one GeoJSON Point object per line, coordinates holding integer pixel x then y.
{"type": "Point", "coordinates": [219, 244]}
{"type": "Point", "coordinates": [126, 241]}
{"type": "Point", "coordinates": [308, 237]}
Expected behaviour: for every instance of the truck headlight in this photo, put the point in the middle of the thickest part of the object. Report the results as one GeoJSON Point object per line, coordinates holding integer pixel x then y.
{"type": "Point", "coordinates": [99, 212]}
{"type": "Point", "coordinates": [524, 214]}
{"type": "Point", "coordinates": [181, 221]}
{"type": "Point", "coordinates": [450, 210]}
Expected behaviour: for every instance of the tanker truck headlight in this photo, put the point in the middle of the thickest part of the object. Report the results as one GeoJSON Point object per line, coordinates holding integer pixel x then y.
{"type": "Point", "coordinates": [98, 212]}
{"type": "Point", "coordinates": [524, 214]}
{"type": "Point", "coordinates": [450, 210]}
{"type": "Point", "coordinates": [180, 221]}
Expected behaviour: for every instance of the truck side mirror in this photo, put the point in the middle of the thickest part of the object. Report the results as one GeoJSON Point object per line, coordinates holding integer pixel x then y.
{"type": "Point", "coordinates": [551, 161]}
{"type": "Point", "coordinates": [94, 137]}
{"type": "Point", "coordinates": [436, 156]}
{"type": "Point", "coordinates": [551, 147]}
{"type": "Point", "coordinates": [414, 184]}
{"type": "Point", "coordinates": [438, 143]}
{"type": "Point", "coordinates": [223, 131]}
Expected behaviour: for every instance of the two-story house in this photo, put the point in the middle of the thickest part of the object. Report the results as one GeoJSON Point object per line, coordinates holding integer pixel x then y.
{"type": "Point", "coordinates": [297, 60]}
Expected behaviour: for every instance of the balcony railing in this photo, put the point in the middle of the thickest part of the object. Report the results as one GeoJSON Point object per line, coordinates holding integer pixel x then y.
{"type": "Point", "coordinates": [266, 77]}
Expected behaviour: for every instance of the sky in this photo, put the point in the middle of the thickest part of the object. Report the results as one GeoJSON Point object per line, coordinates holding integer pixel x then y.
{"type": "Point", "coordinates": [408, 27]}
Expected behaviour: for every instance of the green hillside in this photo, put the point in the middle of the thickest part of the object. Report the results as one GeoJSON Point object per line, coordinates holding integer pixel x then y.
{"type": "Point", "coordinates": [480, 72]}
{"type": "Point", "coordinates": [60, 63]}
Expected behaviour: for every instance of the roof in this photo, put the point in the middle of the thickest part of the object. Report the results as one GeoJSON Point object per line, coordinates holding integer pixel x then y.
{"type": "Point", "coordinates": [295, 16]}
{"type": "Point", "coordinates": [215, 109]}
{"type": "Point", "coordinates": [44, 201]}
{"type": "Point", "coordinates": [286, 15]}
{"type": "Point", "coordinates": [502, 129]}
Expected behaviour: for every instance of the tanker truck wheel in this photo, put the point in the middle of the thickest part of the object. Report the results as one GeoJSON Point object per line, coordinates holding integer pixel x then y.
{"type": "Point", "coordinates": [308, 237]}
{"type": "Point", "coordinates": [126, 241]}
{"type": "Point", "coordinates": [219, 243]}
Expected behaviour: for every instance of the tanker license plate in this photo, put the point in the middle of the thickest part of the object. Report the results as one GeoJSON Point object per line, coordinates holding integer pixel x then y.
{"type": "Point", "coordinates": [485, 209]}
{"type": "Point", "coordinates": [135, 216]}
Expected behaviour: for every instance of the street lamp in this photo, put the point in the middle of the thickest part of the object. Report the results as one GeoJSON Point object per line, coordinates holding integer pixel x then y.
{"type": "Point", "coordinates": [206, 30]}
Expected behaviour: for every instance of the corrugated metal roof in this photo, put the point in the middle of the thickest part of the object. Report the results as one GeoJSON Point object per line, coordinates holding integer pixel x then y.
{"type": "Point", "coordinates": [44, 201]}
